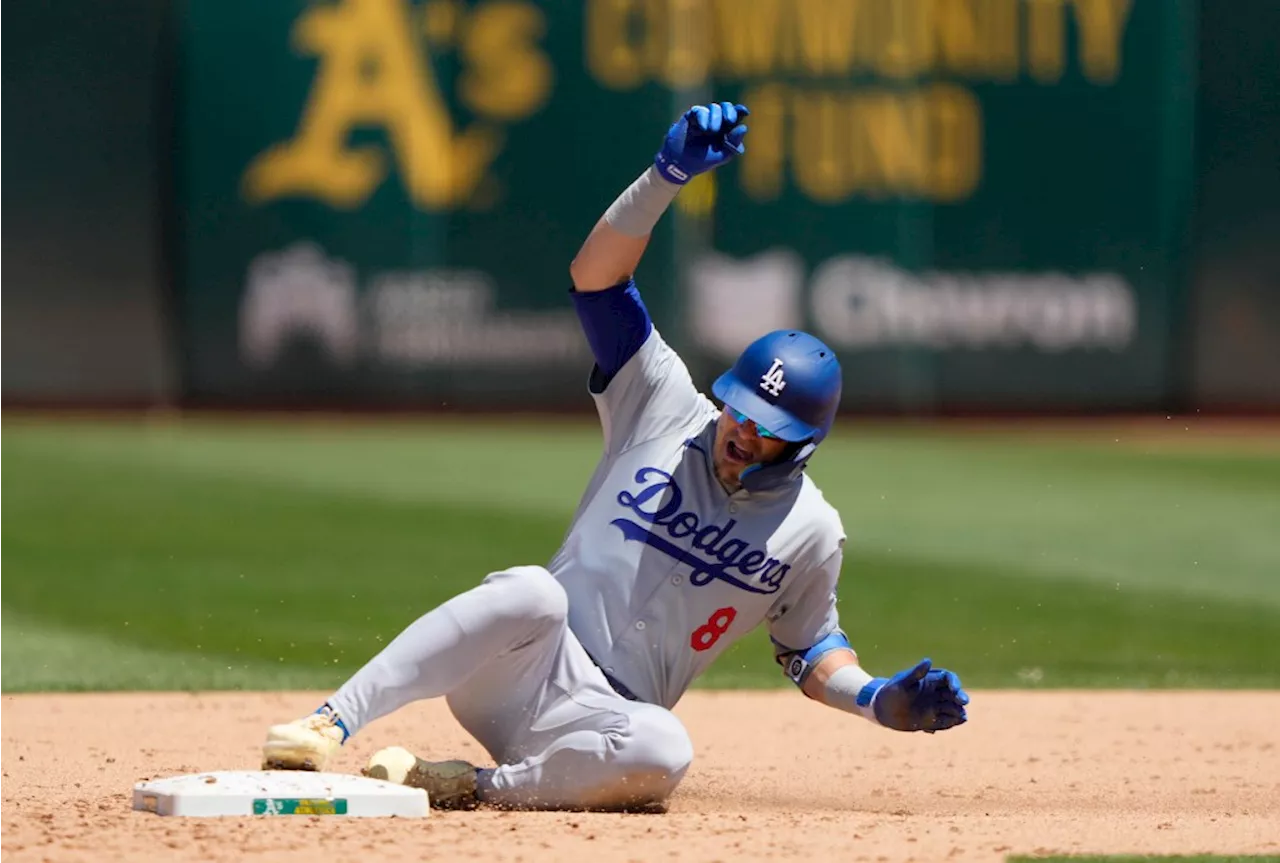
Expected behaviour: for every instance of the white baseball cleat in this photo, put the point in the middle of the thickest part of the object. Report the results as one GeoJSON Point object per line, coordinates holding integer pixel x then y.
{"type": "Point", "coordinates": [449, 784]}
{"type": "Point", "coordinates": [304, 744]}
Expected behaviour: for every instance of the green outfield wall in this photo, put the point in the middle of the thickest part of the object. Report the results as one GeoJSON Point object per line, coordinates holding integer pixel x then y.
{"type": "Point", "coordinates": [381, 199]}
{"type": "Point", "coordinates": [1234, 331]}
{"type": "Point", "coordinates": [977, 202]}
{"type": "Point", "coordinates": [87, 90]}
{"type": "Point", "coordinates": [981, 204]}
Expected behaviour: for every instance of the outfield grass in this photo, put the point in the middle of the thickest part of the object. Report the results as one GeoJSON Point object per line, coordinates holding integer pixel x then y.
{"type": "Point", "coordinates": [267, 555]}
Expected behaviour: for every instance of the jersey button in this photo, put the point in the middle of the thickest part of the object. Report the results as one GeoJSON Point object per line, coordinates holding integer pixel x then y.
{"type": "Point", "coordinates": [733, 507]}
{"type": "Point", "coordinates": [639, 624]}
{"type": "Point", "coordinates": [675, 579]}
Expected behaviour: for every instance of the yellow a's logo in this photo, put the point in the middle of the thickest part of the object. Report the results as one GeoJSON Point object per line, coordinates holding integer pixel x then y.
{"type": "Point", "coordinates": [372, 73]}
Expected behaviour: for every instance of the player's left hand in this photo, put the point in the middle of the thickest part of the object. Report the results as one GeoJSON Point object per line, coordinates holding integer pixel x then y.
{"type": "Point", "coordinates": [705, 137]}
{"type": "Point", "coordinates": [922, 698]}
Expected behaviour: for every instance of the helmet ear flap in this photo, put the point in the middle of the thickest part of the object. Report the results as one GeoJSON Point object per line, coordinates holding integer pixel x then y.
{"type": "Point", "coordinates": [776, 474]}
{"type": "Point", "coordinates": [791, 450]}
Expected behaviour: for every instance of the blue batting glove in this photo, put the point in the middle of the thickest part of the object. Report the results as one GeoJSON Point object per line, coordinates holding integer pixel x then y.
{"type": "Point", "coordinates": [922, 698]}
{"type": "Point", "coordinates": [705, 137]}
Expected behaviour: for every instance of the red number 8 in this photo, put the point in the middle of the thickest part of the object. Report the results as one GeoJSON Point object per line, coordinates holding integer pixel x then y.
{"type": "Point", "coordinates": [705, 636]}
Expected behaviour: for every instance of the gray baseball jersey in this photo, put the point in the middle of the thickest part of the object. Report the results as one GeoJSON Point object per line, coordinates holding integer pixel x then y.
{"type": "Point", "coordinates": [664, 569]}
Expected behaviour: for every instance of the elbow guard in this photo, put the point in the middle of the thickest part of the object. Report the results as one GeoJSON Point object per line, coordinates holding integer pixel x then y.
{"type": "Point", "coordinates": [797, 664]}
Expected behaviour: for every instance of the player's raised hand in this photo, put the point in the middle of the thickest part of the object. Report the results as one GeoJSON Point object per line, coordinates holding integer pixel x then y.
{"type": "Point", "coordinates": [705, 137]}
{"type": "Point", "coordinates": [922, 698]}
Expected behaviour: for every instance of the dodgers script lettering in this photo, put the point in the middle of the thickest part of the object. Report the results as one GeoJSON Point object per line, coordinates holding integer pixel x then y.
{"type": "Point", "coordinates": [727, 558]}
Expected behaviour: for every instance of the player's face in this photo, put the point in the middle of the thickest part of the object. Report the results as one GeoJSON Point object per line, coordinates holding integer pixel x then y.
{"type": "Point", "coordinates": [739, 444]}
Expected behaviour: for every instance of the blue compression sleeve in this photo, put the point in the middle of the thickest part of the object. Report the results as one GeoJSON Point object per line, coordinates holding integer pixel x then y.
{"type": "Point", "coordinates": [616, 324]}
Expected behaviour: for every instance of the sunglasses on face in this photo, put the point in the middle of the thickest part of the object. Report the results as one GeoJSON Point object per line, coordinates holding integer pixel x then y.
{"type": "Point", "coordinates": [739, 417]}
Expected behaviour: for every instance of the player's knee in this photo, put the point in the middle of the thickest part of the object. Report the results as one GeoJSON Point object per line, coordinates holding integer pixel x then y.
{"type": "Point", "coordinates": [532, 594]}
{"type": "Point", "coordinates": [663, 750]}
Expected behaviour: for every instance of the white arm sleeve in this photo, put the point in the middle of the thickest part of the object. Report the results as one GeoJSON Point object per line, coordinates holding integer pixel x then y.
{"type": "Point", "coordinates": [844, 686]}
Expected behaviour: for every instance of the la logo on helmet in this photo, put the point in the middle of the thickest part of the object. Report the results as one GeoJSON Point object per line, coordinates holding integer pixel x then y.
{"type": "Point", "coordinates": [772, 382]}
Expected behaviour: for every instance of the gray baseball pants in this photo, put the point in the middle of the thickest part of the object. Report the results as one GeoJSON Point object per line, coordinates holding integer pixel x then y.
{"type": "Point", "coordinates": [518, 681]}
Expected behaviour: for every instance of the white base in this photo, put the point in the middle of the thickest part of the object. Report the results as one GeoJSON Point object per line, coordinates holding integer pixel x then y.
{"type": "Point", "coordinates": [278, 792]}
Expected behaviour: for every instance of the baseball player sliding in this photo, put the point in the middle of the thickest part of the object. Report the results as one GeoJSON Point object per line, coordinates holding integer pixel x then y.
{"type": "Point", "coordinates": [698, 525]}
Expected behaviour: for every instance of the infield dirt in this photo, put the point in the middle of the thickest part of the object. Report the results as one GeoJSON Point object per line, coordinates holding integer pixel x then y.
{"type": "Point", "coordinates": [775, 778]}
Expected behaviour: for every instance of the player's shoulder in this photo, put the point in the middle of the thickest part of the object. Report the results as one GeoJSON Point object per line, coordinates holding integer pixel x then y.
{"type": "Point", "coordinates": [821, 518]}
{"type": "Point", "coordinates": [816, 504]}
{"type": "Point", "coordinates": [691, 431]}
{"type": "Point", "coordinates": [656, 349]}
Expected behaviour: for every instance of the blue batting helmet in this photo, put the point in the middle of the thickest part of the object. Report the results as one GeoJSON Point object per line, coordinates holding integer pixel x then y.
{"type": "Point", "coordinates": [787, 382]}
